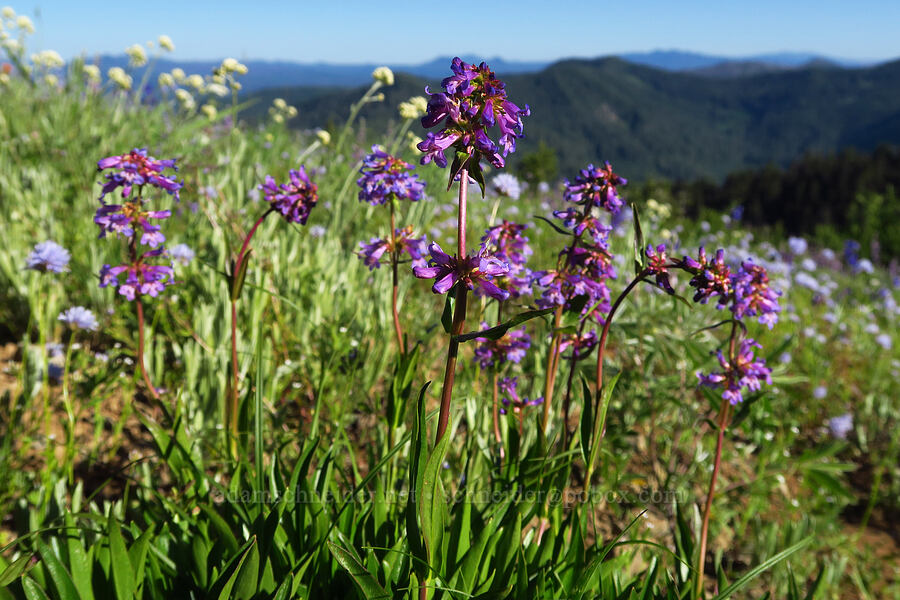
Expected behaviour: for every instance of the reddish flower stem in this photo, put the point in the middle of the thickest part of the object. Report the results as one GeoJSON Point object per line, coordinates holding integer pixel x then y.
{"type": "Point", "coordinates": [459, 311]}
{"type": "Point", "coordinates": [597, 431]}
{"type": "Point", "coordinates": [231, 415]}
{"type": "Point", "coordinates": [707, 509]}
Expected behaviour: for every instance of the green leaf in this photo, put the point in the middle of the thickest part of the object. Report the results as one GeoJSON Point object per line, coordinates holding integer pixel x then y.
{"type": "Point", "coordinates": [433, 512]}
{"type": "Point", "coordinates": [222, 529]}
{"type": "Point", "coordinates": [498, 331]}
{"type": "Point", "coordinates": [65, 587]}
{"type": "Point", "coordinates": [416, 477]}
{"type": "Point", "coordinates": [232, 570]}
{"type": "Point", "coordinates": [587, 419]}
{"type": "Point", "coordinates": [640, 258]}
{"type": "Point", "coordinates": [477, 174]}
{"type": "Point", "coordinates": [366, 582]}
{"type": "Point", "coordinates": [447, 314]}
{"type": "Point", "coordinates": [597, 434]}
{"type": "Point", "coordinates": [78, 561]}
{"type": "Point", "coordinates": [123, 574]}
{"type": "Point", "coordinates": [755, 571]}
{"type": "Point", "coordinates": [12, 572]}
{"type": "Point", "coordinates": [32, 590]}
{"type": "Point", "coordinates": [247, 581]}
{"type": "Point", "coordinates": [237, 283]}
{"type": "Point", "coordinates": [553, 225]}
{"type": "Point", "coordinates": [137, 554]}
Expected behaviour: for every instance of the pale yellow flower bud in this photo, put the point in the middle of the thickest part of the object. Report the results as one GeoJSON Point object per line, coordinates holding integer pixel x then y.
{"type": "Point", "coordinates": [196, 82]}
{"type": "Point", "coordinates": [217, 89]}
{"type": "Point", "coordinates": [185, 98]}
{"type": "Point", "coordinates": [209, 110]}
{"type": "Point", "coordinates": [235, 86]}
{"type": "Point", "coordinates": [324, 137]}
{"type": "Point", "coordinates": [178, 74]}
{"type": "Point", "coordinates": [166, 80]}
{"type": "Point", "coordinates": [229, 65]}
{"type": "Point", "coordinates": [241, 69]}
{"type": "Point", "coordinates": [51, 79]}
{"type": "Point", "coordinates": [291, 112]}
{"type": "Point", "coordinates": [279, 103]}
{"type": "Point", "coordinates": [8, 12]}
{"type": "Point", "coordinates": [165, 42]}
{"type": "Point", "coordinates": [379, 97]}
{"type": "Point", "coordinates": [91, 73]}
{"type": "Point", "coordinates": [4, 79]}
{"type": "Point", "coordinates": [420, 103]}
{"type": "Point", "coordinates": [278, 118]}
{"type": "Point", "coordinates": [25, 24]}
{"type": "Point", "coordinates": [384, 75]}
{"type": "Point", "coordinates": [219, 78]}
{"type": "Point", "coordinates": [118, 76]}
{"type": "Point", "coordinates": [137, 56]}
{"type": "Point", "coordinates": [48, 58]}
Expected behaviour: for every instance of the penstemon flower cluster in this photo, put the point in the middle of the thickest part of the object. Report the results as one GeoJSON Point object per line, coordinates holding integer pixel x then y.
{"type": "Point", "coordinates": [472, 103]}
{"type": "Point", "coordinates": [146, 272]}
{"type": "Point", "coordinates": [388, 180]}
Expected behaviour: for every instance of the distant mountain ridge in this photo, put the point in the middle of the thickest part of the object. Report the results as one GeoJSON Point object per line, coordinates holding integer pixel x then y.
{"type": "Point", "coordinates": [284, 73]}
{"type": "Point", "coordinates": [652, 123]}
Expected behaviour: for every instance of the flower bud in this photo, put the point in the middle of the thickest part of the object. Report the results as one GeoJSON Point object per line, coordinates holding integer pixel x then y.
{"type": "Point", "coordinates": [384, 75]}
{"type": "Point", "coordinates": [165, 42]}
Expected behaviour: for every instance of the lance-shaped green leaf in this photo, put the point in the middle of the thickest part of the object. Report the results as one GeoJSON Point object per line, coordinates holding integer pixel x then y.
{"type": "Point", "coordinates": [237, 279]}
{"type": "Point", "coordinates": [123, 572]}
{"type": "Point", "coordinates": [418, 454]}
{"type": "Point", "coordinates": [755, 571]}
{"type": "Point", "coordinates": [587, 419]}
{"type": "Point", "coordinates": [640, 259]}
{"type": "Point", "coordinates": [447, 314]}
{"type": "Point", "coordinates": [14, 570]}
{"type": "Point", "coordinates": [433, 513]}
{"type": "Point", "coordinates": [553, 225]}
{"type": "Point", "coordinates": [600, 419]}
{"type": "Point", "coordinates": [498, 331]}
{"type": "Point", "coordinates": [351, 562]}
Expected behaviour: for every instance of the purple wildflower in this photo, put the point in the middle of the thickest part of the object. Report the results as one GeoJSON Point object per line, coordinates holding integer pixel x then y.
{"type": "Point", "coordinates": [582, 345]}
{"type": "Point", "coordinates": [510, 396]}
{"type": "Point", "coordinates": [181, 253]}
{"type": "Point", "coordinates": [596, 187]}
{"type": "Point", "coordinates": [509, 348]}
{"type": "Point", "coordinates": [506, 242]}
{"type": "Point", "coordinates": [141, 278]}
{"type": "Point", "coordinates": [294, 199]}
{"type": "Point", "coordinates": [710, 278]}
{"type": "Point", "coordinates": [473, 101]}
{"type": "Point", "coordinates": [746, 371]}
{"type": "Point", "coordinates": [476, 270]}
{"type": "Point", "coordinates": [137, 169]}
{"type": "Point", "coordinates": [48, 257]}
{"type": "Point", "coordinates": [385, 177]}
{"type": "Point", "coordinates": [579, 223]}
{"type": "Point", "coordinates": [841, 425]}
{"type": "Point", "coordinates": [126, 218]}
{"type": "Point", "coordinates": [404, 241]}
{"type": "Point", "coordinates": [79, 317]}
{"type": "Point", "coordinates": [753, 296]}
{"type": "Point", "coordinates": [657, 265]}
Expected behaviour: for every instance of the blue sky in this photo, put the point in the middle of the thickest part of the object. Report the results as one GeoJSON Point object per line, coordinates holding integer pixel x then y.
{"type": "Point", "coordinates": [348, 31]}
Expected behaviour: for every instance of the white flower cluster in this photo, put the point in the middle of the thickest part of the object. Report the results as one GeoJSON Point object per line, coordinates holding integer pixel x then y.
{"type": "Point", "coordinates": [414, 108]}
{"type": "Point", "coordinates": [281, 111]}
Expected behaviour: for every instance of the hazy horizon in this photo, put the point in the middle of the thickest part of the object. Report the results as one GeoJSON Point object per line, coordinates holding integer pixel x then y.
{"type": "Point", "coordinates": [354, 32]}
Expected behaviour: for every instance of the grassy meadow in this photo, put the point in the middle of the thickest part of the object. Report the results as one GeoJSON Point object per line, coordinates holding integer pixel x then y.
{"type": "Point", "coordinates": [326, 481]}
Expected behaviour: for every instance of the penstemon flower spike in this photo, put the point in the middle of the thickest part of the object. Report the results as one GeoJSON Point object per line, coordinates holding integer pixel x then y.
{"type": "Point", "coordinates": [144, 276]}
